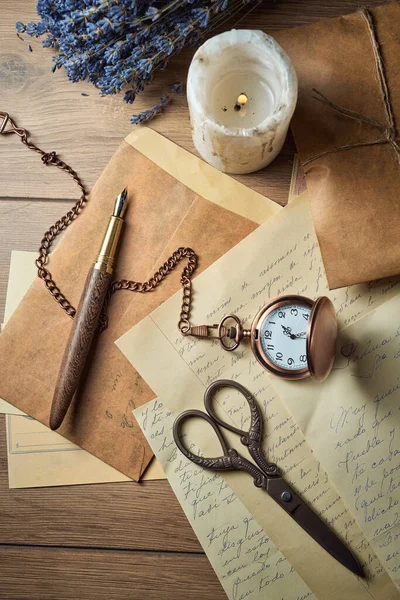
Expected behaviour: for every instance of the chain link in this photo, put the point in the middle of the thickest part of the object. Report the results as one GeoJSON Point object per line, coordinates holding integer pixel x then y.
{"type": "Point", "coordinates": [51, 158]}
{"type": "Point", "coordinates": [155, 280]}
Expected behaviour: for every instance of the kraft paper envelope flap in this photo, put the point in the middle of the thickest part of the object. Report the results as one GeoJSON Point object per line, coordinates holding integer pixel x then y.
{"type": "Point", "coordinates": [33, 341]}
{"type": "Point", "coordinates": [354, 193]}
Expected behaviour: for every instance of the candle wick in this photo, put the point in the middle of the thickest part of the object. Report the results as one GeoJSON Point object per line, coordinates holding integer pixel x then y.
{"type": "Point", "coordinates": [241, 103]}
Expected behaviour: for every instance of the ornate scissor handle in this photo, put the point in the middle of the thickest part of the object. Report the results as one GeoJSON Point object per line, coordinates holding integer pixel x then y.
{"type": "Point", "coordinates": [251, 438]}
{"type": "Point", "coordinates": [220, 462]}
{"type": "Point", "coordinates": [231, 459]}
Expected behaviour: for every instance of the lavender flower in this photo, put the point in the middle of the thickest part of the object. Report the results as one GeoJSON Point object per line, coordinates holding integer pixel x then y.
{"type": "Point", "coordinates": [118, 45]}
{"type": "Point", "coordinates": [147, 115]}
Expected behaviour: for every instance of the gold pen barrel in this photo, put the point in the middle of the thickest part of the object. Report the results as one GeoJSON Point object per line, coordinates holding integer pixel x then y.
{"type": "Point", "coordinates": [108, 250]}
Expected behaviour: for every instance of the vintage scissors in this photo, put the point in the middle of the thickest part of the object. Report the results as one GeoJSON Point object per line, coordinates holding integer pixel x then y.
{"type": "Point", "coordinates": [266, 475]}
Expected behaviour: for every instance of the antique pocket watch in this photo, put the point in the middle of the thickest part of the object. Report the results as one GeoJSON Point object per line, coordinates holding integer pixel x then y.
{"type": "Point", "coordinates": [292, 336]}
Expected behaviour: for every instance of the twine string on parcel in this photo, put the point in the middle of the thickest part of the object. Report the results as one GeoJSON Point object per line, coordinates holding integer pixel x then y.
{"type": "Point", "coordinates": [387, 130]}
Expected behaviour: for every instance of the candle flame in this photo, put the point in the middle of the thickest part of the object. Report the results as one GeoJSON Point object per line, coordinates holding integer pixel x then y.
{"type": "Point", "coordinates": [242, 99]}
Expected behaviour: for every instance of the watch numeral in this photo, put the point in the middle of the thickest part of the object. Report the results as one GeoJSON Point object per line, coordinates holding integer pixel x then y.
{"type": "Point", "coordinates": [305, 316]}
{"type": "Point", "coordinates": [279, 356]}
{"type": "Point", "coordinates": [294, 312]}
{"type": "Point", "coordinates": [268, 334]}
{"type": "Point", "coordinates": [270, 347]}
{"type": "Point", "coordinates": [281, 314]}
{"type": "Point", "coordinates": [290, 361]}
{"type": "Point", "coordinates": [303, 358]}
{"type": "Point", "coordinates": [272, 323]}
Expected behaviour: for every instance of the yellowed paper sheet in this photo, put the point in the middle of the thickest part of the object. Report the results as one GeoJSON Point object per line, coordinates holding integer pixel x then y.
{"type": "Point", "coordinates": [8, 409]}
{"type": "Point", "coordinates": [352, 422]}
{"type": "Point", "coordinates": [282, 256]}
{"type": "Point", "coordinates": [244, 558]}
{"type": "Point", "coordinates": [21, 274]}
{"type": "Point", "coordinates": [37, 456]}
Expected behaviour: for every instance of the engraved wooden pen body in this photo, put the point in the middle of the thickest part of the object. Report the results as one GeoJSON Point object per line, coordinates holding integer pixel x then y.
{"type": "Point", "coordinates": [87, 316]}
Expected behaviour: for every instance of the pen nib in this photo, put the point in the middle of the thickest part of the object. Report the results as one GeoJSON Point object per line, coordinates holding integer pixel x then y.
{"type": "Point", "coordinates": [120, 203]}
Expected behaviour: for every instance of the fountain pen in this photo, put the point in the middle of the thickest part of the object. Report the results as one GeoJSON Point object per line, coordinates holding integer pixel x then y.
{"type": "Point", "coordinates": [87, 316]}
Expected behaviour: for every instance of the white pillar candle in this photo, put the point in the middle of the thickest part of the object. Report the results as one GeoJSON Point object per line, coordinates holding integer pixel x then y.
{"type": "Point", "coordinates": [242, 91]}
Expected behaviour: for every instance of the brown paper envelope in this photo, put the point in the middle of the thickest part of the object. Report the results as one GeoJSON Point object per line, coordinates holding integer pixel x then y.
{"type": "Point", "coordinates": [354, 193]}
{"type": "Point", "coordinates": [32, 344]}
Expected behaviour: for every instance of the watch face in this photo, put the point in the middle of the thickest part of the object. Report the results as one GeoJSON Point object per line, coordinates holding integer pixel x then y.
{"type": "Point", "coordinates": [283, 336]}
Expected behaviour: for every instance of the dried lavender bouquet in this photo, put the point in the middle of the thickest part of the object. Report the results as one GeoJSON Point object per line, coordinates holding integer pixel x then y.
{"type": "Point", "coordinates": [118, 45]}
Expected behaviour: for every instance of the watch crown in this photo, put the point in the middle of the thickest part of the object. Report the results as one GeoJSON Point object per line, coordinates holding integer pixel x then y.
{"type": "Point", "coordinates": [233, 332]}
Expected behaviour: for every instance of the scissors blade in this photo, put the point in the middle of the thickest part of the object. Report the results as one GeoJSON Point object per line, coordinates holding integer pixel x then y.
{"type": "Point", "coordinates": [312, 524]}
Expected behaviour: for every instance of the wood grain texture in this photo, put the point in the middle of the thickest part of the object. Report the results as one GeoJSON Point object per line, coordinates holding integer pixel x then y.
{"type": "Point", "coordinates": [111, 541]}
{"type": "Point", "coordinates": [79, 342]}
{"type": "Point", "coordinates": [145, 516]}
{"type": "Point", "coordinates": [56, 574]}
{"type": "Point", "coordinates": [22, 225]}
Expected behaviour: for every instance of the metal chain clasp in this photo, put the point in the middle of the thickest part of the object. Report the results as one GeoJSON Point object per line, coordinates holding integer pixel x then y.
{"type": "Point", "coordinates": [206, 331]}
{"type": "Point", "coordinates": [6, 117]}
{"type": "Point", "coordinates": [235, 333]}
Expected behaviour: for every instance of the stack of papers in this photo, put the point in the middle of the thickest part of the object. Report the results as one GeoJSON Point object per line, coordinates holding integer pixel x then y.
{"type": "Point", "coordinates": [348, 476]}
{"type": "Point", "coordinates": [337, 443]}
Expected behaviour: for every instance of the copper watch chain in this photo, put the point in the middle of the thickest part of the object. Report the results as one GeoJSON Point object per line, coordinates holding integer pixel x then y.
{"type": "Point", "coordinates": [51, 158]}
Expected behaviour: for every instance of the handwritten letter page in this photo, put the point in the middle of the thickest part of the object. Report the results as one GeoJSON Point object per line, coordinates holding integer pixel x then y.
{"type": "Point", "coordinates": [352, 421]}
{"type": "Point", "coordinates": [242, 555]}
{"type": "Point", "coordinates": [281, 256]}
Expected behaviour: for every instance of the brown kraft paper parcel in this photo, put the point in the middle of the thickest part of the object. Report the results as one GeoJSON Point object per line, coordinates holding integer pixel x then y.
{"type": "Point", "coordinates": [354, 193]}
{"type": "Point", "coordinates": [162, 215]}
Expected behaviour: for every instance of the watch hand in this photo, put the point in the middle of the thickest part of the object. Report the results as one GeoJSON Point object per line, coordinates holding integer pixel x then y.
{"type": "Point", "coordinates": [287, 330]}
{"type": "Point", "coordinates": [301, 335]}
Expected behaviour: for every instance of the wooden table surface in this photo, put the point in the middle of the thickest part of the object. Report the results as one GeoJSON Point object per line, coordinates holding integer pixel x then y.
{"type": "Point", "coordinates": [112, 541]}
